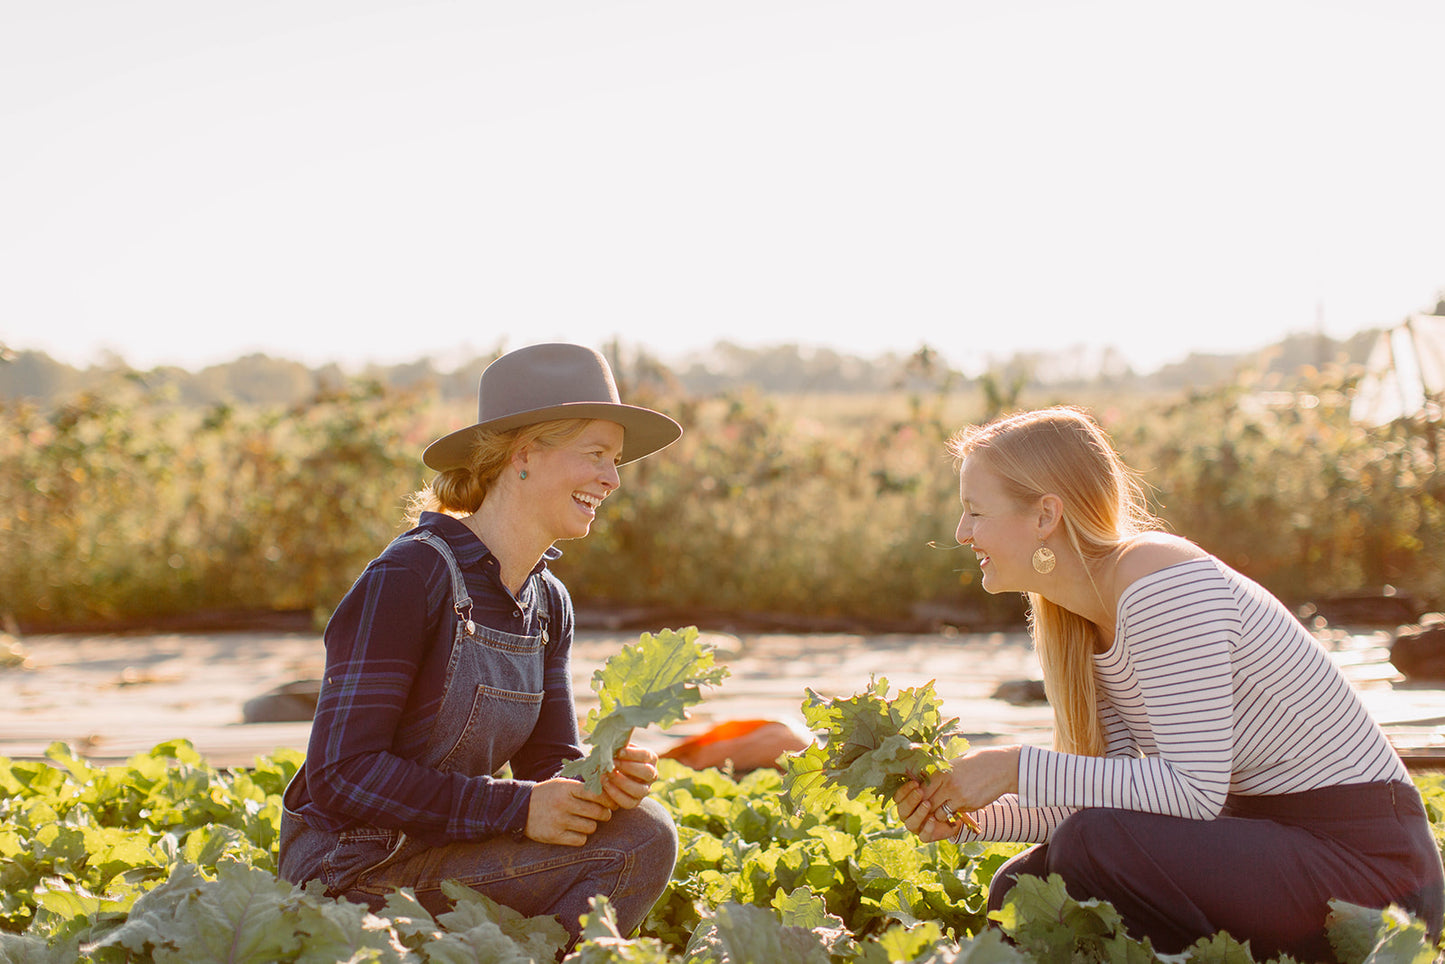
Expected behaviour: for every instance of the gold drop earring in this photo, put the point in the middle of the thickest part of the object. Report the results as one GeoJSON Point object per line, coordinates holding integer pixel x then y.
{"type": "Point", "coordinates": [1044, 560]}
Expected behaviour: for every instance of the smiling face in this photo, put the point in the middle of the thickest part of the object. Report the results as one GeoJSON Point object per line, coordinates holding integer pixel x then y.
{"type": "Point", "coordinates": [567, 482]}
{"type": "Point", "coordinates": [1002, 533]}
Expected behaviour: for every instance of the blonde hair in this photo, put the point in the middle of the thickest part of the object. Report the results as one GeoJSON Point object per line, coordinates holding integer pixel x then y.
{"type": "Point", "coordinates": [461, 491]}
{"type": "Point", "coordinates": [1063, 452]}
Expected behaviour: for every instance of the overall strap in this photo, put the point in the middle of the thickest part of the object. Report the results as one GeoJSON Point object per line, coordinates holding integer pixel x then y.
{"type": "Point", "coordinates": [461, 602]}
{"type": "Point", "coordinates": [542, 607]}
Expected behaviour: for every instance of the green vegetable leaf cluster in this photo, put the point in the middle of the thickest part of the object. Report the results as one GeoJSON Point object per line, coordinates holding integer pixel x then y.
{"type": "Point", "coordinates": [1046, 924]}
{"type": "Point", "coordinates": [871, 744]}
{"type": "Point", "coordinates": [1389, 936]}
{"type": "Point", "coordinates": [165, 859]}
{"type": "Point", "coordinates": [652, 682]}
{"type": "Point", "coordinates": [79, 843]}
{"type": "Point", "coordinates": [248, 915]}
{"type": "Point", "coordinates": [740, 844]}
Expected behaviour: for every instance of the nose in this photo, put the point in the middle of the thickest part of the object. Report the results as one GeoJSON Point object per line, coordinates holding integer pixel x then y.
{"type": "Point", "coordinates": [611, 478]}
{"type": "Point", "coordinates": [964, 533]}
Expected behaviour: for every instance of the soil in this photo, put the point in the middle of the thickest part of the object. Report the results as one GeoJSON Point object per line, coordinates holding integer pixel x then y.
{"type": "Point", "coordinates": [110, 696]}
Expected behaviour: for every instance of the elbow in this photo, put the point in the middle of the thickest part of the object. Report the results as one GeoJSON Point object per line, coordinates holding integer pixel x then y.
{"type": "Point", "coordinates": [328, 786]}
{"type": "Point", "coordinates": [1210, 813]}
{"type": "Point", "coordinates": [1207, 804]}
{"type": "Point", "coordinates": [324, 792]}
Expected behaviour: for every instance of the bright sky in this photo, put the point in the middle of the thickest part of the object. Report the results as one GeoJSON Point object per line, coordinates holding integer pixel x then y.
{"type": "Point", "coordinates": [377, 180]}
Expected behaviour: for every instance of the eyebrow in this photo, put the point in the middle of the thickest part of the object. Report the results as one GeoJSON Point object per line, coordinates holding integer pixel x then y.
{"type": "Point", "coordinates": [602, 445]}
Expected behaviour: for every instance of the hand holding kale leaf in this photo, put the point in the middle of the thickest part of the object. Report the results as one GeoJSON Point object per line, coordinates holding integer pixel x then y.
{"type": "Point", "coordinates": [652, 682]}
{"type": "Point", "coordinates": [871, 744]}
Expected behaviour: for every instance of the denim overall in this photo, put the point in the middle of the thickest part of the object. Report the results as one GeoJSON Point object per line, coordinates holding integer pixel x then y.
{"type": "Point", "coordinates": [492, 700]}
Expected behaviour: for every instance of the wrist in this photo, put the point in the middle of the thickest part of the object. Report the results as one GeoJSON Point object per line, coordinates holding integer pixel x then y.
{"type": "Point", "coordinates": [1006, 769]}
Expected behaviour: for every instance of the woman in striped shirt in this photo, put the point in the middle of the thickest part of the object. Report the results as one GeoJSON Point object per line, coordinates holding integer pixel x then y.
{"type": "Point", "coordinates": [1213, 769]}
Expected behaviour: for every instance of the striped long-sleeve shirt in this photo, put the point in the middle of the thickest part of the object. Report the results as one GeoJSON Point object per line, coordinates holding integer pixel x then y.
{"type": "Point", "coordinates": [1211, 687]}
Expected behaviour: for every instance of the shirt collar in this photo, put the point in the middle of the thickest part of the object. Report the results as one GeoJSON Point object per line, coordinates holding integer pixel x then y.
{"type": "Point", "coordinates": [464, 543]}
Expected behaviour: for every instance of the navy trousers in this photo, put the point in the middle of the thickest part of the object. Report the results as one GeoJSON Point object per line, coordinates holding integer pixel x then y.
{"type": "Point", "coordinates": [1264, 870]}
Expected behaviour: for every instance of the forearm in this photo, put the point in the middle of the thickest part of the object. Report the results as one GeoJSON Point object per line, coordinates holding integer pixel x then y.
{"type": "Point", "coordinates": [1147, 784]}
{"type": "Point", "coordinates": [383, 790]}
{"type": "Point", "coordinates": [1006, 820]}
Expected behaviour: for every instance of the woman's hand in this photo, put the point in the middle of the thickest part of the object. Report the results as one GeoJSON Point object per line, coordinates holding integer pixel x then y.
{"type": "Point", "coordinates": [633, 772]}
{"type": "Point", "coordinates": [971, 782]}
{"type": "Point", "coordinates": [916, 815]}
{"type": "Point", "coordinates": [562, 811]}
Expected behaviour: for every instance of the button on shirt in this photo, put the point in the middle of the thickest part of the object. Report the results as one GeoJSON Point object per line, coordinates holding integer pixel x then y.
{"type": "Point", "coordinates": [387, 648]}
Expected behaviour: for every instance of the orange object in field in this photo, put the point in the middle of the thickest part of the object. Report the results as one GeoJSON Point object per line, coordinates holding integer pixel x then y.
{"type": "Point", "coordinates": [748, 744]}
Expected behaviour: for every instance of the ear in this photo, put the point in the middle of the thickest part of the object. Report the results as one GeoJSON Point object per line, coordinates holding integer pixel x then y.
{"type": "Point", "coordinates": [1050, 514]}
{"type": "Point", "coordinates": [521, 456]}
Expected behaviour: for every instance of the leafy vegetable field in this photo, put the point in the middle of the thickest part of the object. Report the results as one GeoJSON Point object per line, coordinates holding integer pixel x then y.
{"type": "Point", "coordinates": [165, 858]}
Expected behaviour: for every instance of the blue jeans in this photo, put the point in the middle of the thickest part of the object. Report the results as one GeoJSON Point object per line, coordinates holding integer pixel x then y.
{"type": "Point", "coordinates": [628, 860]}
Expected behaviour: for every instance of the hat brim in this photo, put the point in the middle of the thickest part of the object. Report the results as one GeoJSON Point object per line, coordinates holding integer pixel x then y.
{"type": "Point", "coordinates": [643, 431]}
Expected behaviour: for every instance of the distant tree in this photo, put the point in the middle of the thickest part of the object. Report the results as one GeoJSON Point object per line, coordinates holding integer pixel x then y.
{"type": "Point", "coordinates": [1297, 350]}
{"type": "Point", "coordinates": [926, 370]}
{"type": "Point", "coordinates": [790, 369]}
{"type": "Point", "coordinates": [184, 386]}
{"type": "Point", "coordinates": [330, 378]}
{"type": "Point", "coordinates": [35, 375]}
{"type": "Point", "coordinates": [405, 375]}
{"type": "Point", "coordinates": [776, 369]}
{"type": "Point", "coordinates": [1196, 370]}
{"type": "Point", "coordinates": [262, 380]}
{"type": "Point", "coordinates": [462, 382]}
{"type": "Point", "coordinates": [1001, 391]}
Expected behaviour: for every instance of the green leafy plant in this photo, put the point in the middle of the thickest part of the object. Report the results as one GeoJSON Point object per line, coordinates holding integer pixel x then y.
{"type": "Point", "coordinates": [1389, 936]}
{"type": "Point", "coordinates": [602, 943]}
{"type": "Point", "coordinates": [166, 859]}
{"type": "Point", "coordinates": [652, 682]}
{"type": "Point", "coordinates": [247, 916]}
{"type": "Point", "coordinates": [871, 744]}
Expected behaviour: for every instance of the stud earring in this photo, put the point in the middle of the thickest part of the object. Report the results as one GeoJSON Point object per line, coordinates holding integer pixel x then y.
{"type": "Point", "coordinates": [523, 476]}
{"type": "Point", "coordinates": [1044, 560]}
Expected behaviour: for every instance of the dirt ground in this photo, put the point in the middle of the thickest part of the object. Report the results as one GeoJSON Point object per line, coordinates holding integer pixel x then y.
{"type": "Point", "coordinates": [110, 697]}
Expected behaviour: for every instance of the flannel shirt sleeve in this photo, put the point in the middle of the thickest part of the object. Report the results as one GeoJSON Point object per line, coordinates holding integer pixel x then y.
{"type": "Point", "coordinates": [375, 643]}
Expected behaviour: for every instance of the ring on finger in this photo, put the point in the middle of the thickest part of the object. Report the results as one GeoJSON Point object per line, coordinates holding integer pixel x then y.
{"type": "Point", "coordinates": [946, 810]}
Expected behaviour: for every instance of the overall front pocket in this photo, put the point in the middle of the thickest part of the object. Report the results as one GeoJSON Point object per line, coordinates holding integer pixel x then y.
{"type": "Point", "coordinates": [499, 724]}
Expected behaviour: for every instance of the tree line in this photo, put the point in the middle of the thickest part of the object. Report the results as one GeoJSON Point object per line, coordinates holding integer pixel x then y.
{"type": "Point", "coordinates": [782, 369]}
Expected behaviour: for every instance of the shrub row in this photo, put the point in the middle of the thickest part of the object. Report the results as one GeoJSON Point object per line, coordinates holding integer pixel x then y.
{"type": "Point", "coordinates": [124, 507]}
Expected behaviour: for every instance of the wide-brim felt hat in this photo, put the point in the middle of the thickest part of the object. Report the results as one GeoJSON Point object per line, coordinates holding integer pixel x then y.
{"type": "Point", "coordinates": [551, 381]}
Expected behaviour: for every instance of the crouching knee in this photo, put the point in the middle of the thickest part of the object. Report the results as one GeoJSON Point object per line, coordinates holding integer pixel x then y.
{"type": "Point", "coordinates": [654, 839]}
{"type": "Point", "coordinates": [1085, 847]}
{"type": "Point", "coordinates": [647, 838]}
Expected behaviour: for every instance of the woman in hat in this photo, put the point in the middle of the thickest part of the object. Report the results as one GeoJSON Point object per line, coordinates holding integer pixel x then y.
{"type": "Point", "coordinates": [1213, 770]}
{"type": "Point", "coordinates": [447, 664]}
